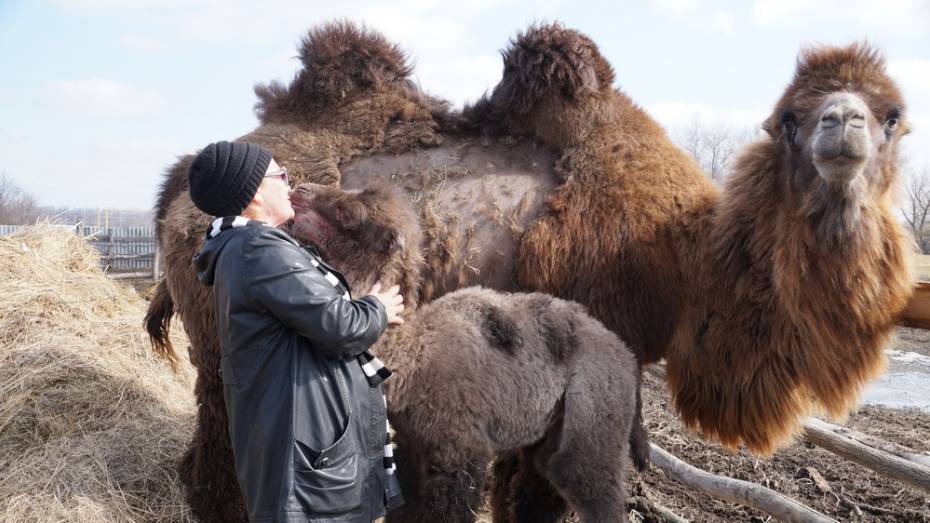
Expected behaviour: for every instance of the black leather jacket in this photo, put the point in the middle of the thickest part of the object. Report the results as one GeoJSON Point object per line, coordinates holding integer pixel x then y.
{"type": "Point", "coordinates": [307, 429]}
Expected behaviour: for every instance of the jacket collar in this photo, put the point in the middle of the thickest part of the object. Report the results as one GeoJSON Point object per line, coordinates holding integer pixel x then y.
{"type": "Point", "coordinates": [228, 222]}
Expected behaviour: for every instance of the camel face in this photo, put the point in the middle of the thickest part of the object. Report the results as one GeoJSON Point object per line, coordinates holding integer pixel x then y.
{"type": "Point", "coordinates": [840, 119]}
{"type": "Point", "coordinates": [369, 235]}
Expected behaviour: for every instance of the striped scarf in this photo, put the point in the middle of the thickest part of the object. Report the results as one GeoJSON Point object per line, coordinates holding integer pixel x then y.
{"type": "Point", "coordinates": [374, 370]}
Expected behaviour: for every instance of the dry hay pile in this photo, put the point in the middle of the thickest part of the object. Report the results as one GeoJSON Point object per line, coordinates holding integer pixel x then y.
{"type": "Point", "coordinates": [91, 424]}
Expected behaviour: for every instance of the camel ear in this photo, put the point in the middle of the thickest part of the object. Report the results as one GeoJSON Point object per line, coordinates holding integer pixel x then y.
{"type": "Point", "coordinates": [767, 127]}
{"type": "Point", "coordinates": [395, 241]}
{"type": "Point", "coordinates": [350, 215]}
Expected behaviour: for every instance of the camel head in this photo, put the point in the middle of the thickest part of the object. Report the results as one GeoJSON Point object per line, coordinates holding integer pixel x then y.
{"type": "Point", "coordinates": [370, 235]}
{"type": "Point", "coordinates": [838, 125]}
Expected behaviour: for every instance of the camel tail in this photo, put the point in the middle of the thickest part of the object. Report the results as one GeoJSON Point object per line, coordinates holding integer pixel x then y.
{"type": "Point", "coordinates": [158, 322]}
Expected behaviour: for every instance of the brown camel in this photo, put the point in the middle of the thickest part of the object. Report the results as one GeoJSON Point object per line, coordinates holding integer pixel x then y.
{"type": "Point", "coordinates": [558, 182]}
{"type": "Point", "coordinates": [480, 373]}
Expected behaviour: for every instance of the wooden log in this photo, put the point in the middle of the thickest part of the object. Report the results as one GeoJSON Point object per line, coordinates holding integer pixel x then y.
{"type": "Point", "coordinates": [658, 511]}
{"type": "Point", "coordinates": [920, 458]}
{"type": "Point", "coordinates": [734, 490]}
{"type": "Point", "coordinates": [822, 434]}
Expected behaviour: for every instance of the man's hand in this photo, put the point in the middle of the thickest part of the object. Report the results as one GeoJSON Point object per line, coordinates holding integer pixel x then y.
{"type": "Point", "coordinates": [392, 300]}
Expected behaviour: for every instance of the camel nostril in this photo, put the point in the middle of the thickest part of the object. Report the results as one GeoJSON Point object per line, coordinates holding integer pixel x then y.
{"type": "Point", "coordinates": [856, 119]}
{"type": "Point", "coordinates": [830, 118]}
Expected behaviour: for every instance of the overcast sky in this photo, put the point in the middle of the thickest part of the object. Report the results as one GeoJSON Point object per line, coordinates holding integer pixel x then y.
{"type": "Point", "coordinates": [100, 96]}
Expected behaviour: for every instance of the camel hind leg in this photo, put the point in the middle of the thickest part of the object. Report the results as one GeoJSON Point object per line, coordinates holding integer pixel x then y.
{"type": "Point", "coordinates": [521, 493]}
{"type": "Point", "coordinates": [585, 456]}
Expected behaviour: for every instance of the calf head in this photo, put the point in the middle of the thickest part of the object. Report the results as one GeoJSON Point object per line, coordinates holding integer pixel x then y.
{"type": "Point", "coordinates": [369, 235]}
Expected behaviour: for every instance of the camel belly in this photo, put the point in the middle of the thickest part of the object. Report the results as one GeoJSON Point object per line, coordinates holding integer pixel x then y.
{"type": "Point", "coordinates": [475, 196]}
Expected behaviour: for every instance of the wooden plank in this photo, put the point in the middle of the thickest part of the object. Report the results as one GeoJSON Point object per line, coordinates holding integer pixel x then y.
{"type": "Point", "coordinates": [124, 275]}
{"type": "Point", "coordinates": [917, 312]}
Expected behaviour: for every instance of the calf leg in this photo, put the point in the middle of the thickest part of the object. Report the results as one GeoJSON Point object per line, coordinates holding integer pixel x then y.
{"type": "Point", "coordinates": [442, 482]}
{"type": "Point", "coordinates": [527, 496]}
{"type": "Point", "coordinates": [585, 454]}
{"type": "Point", "coordinates": [500, 492]}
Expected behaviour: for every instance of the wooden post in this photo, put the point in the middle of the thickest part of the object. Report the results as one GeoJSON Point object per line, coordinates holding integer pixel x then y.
{"type": "Point", "coordinates": [155, 268]}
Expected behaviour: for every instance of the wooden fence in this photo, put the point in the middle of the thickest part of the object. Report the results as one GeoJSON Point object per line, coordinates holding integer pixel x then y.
{"type": "Point", "coordinates": [125, 252]}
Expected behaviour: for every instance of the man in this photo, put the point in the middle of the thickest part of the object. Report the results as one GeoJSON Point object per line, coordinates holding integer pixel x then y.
{"type": "Point", "coordinates": [306, 412]}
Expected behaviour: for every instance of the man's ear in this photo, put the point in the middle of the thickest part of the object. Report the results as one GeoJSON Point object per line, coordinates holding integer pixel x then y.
{"type": "Point", "coordinates": [258, 200]}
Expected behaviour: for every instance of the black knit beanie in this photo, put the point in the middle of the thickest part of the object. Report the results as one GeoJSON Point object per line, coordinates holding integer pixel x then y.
{"type": "Point", "coordinates": [225, 176]}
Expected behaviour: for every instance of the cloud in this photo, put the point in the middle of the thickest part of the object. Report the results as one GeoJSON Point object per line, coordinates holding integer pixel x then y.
{"type": "Point", "coordinates": [461, 80]}
{"type": "Point", "coordinates": [100, 98]}
{"type": "Point", "coordinates": [722, 21]}
{"type": "Point", "coordinates": [688, 10]}
{"type": "Point", "coordinates": [118, 4]}
{"type": "Point", "coordinates": [680, 115]}
{"type": "Point", "coordinates": [675, 7]}
{"type": "Point", "coordinates": [912, 75]}
{"type": "Point", "coordinates": [106, 170]}
{"type": "Point", "coordinates": [140, 42]}
{"type": "Point", "coordinates": [893, 13]}
{"type": "Point", "coordinates": [427, 33]}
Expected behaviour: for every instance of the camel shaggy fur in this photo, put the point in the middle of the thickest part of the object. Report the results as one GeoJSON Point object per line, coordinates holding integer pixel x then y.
{"type": "Point", "coordinates": [368, 104]}
{"type": "Point", "coordinates": [787, 282]}
{"type": "Point", "coordinates": [479, 373]}
{"type": "Point", "coordinates": [771, 300]}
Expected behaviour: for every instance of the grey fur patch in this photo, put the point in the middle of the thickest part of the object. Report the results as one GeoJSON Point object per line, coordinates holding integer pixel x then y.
{"type": "Point", "coordinates": [500, 330]}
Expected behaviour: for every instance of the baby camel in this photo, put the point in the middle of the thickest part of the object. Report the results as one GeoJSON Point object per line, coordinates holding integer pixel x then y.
{"type": "Point", "coordinates": [480, 373]}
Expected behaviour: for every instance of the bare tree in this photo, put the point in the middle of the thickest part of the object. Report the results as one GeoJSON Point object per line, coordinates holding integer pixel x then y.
{"type": "Point", "coordinates": [17, 207]}
{"type": "Point", "coordinates": [915, 206]}
{"type": "Point", "coordinates": [713, 146]}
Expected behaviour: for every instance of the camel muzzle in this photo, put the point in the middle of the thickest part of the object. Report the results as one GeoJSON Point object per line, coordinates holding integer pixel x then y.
{"type": "Point", "coordinates": [842, 142]}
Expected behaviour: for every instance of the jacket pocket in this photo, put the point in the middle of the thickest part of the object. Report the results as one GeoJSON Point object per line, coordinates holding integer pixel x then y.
{"type": "Point", "coordinates": [329, 481]}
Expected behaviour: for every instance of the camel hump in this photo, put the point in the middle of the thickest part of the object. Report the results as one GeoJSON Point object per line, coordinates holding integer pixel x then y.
{"type": "Point", "coordinates": [551, 60]}
{"type": "Point", "coordinates": [342, 57]}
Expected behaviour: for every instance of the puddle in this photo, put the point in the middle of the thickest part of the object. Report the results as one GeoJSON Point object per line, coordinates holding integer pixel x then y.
{"type": "Point", "coordinates": [905, 384]}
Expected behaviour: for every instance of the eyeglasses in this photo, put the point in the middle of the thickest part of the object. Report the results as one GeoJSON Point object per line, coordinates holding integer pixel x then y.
{"type": "Point", "coordinates": [282, 173]}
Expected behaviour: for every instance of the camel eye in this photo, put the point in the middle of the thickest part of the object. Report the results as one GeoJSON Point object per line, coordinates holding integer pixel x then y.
{"type": "Point", "coordinates": [790, 125]}
{"type": "Point", "coordinates": [891, 121]}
